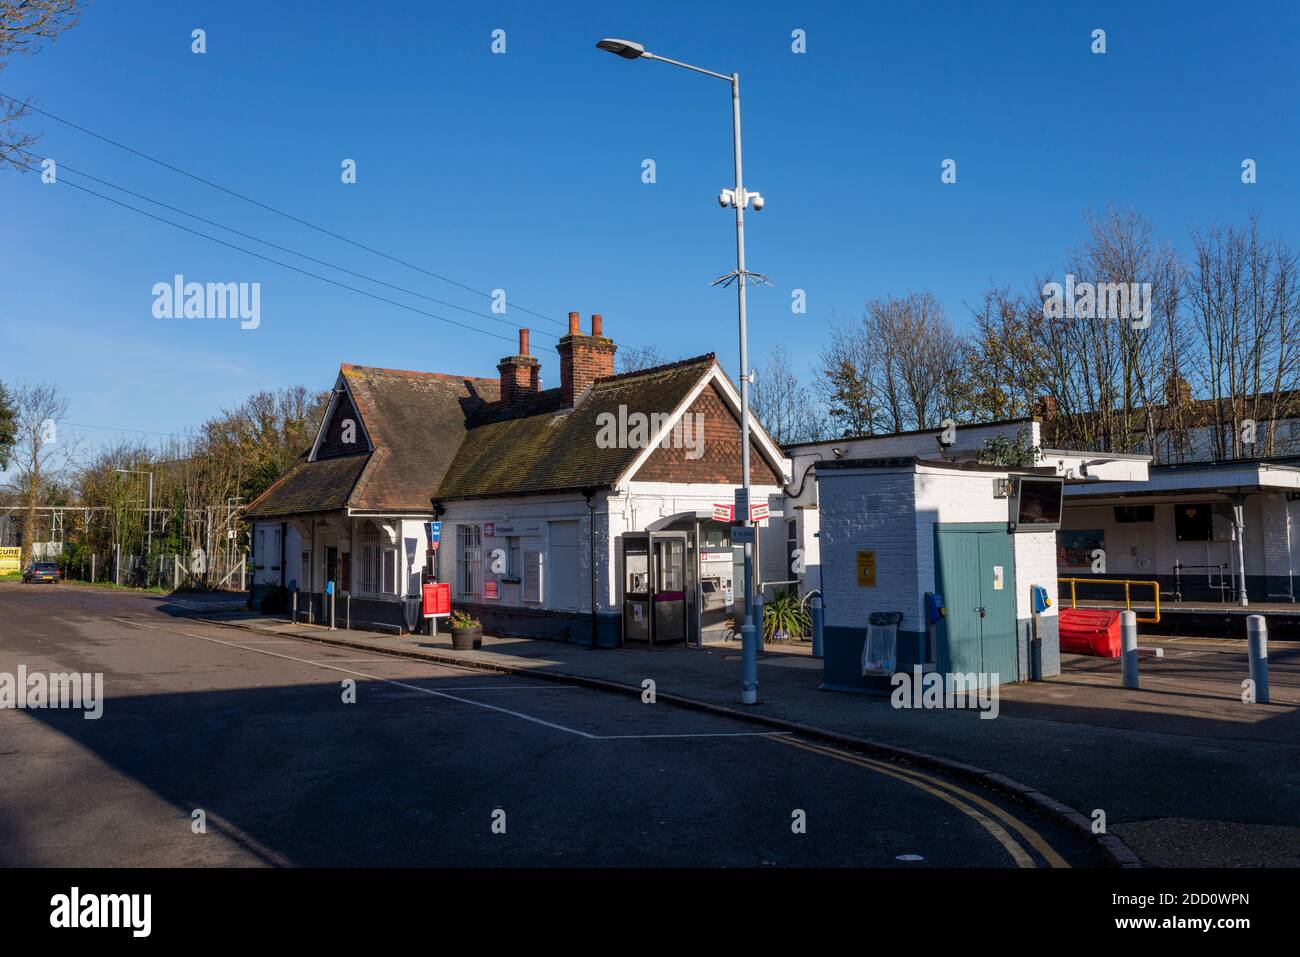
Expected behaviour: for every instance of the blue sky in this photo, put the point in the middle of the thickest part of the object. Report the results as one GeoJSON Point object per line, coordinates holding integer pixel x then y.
{"type": "Point", "coordinates": [522, 171]}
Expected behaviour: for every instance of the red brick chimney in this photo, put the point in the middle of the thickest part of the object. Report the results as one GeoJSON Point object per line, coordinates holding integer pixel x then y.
{"type": "Point", "coordinates": [583, 358]}
{"type": "Point", "coordinates": [519, 374]}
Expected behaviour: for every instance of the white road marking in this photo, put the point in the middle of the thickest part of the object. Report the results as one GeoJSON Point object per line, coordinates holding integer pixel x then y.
{"type": "Point", "coordinates": [362, 674]}
{"type": "Point", "coordinates": [452, 697]}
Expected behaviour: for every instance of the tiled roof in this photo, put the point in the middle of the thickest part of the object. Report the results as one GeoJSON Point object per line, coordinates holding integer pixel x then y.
{"type": "Point", "coordinates": [415, 420]}
{"type": "Point", "coordinates": [322, 486]}
{"type": "Point", "coordinates": [447, 437]}
{"type": "Point", "coordinates": [542, 447]}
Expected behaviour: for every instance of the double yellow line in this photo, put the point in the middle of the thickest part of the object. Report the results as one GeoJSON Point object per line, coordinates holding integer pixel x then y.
{"type": "Point", "coordinates": [970, 804]}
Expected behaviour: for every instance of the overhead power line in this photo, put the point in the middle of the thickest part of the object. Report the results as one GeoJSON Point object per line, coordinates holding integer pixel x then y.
{"type": "Point", "coordinates": [277, 262]}
{"type": "Point", "coordinates": [266, 242]}
{"type": "Point", "coordinates": [268, 208]}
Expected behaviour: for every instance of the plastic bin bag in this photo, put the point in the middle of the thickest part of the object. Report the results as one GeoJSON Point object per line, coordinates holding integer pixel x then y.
{"type": "Point", "coordinates": [880, 650]}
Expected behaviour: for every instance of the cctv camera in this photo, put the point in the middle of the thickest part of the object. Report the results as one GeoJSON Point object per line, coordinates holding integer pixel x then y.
{"type": "Point", "coordinates": [724, 198]}
{"type": "Point", "coordinates": [757, 200]}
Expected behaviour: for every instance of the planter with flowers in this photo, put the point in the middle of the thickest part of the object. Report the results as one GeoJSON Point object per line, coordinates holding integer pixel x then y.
{"type": "Point", "coordinates": [466, 631]}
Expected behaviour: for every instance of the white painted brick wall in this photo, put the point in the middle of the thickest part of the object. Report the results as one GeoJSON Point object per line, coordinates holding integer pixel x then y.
{"type": "Point", "coordinates": [868, 512]}
{"type": "Point", "coordinates": [1035, 565]}
{"type": "Point", "coordinates": [894, 512]}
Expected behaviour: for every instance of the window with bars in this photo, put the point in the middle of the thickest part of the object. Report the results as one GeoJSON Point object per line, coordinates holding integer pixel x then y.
{"type": "Point", "coordinates": [378, 563]}
{"type": "Point", "coordinates": [469, 558]}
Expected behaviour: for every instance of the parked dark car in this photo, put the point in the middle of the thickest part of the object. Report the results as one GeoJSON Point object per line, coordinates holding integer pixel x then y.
{"type": "Point", "coordinates": [42, 572]}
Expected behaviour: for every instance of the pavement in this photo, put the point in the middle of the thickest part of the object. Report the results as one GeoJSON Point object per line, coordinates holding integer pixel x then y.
{"type": "Point", "coordinates": [253, 743]}
{"type": "Point", "coordinates": [1181, 771]}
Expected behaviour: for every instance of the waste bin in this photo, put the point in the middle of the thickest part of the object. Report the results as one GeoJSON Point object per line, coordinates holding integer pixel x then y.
{"type": "Point", "coordinates": [880, 650]}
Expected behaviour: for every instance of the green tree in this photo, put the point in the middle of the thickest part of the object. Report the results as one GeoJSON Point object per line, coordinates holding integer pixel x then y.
{"type": "Point", "coordinates": [8, 427]}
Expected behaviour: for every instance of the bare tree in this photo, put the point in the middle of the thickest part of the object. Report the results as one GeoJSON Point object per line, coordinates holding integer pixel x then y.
{"type": "Point", "coordinates": [781, 402]}
{"type": "Point", "coordinates": [1243, 299]}
{"type": "Point", "coordinates": [636, 358]}
{"type": "Point", "coordinates": [24, 26]}
{"type": "Point", "coordinates": [847, 370]}
{"type": "Point", "coordinates": [38, 454]}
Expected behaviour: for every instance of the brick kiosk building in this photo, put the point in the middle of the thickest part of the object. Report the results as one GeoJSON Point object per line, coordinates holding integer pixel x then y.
{"type": "Point", "coordinates": [578, 512]}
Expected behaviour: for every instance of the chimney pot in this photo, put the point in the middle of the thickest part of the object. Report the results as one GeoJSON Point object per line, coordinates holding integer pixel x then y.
{"type": "Point", "coordinates": [583, 359]}
{"type": "Point", "coordinates": [523, 342]}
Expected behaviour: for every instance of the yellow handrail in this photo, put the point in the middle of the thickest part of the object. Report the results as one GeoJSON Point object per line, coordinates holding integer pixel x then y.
{"type": "Point", "coordinates": [1126, 582]}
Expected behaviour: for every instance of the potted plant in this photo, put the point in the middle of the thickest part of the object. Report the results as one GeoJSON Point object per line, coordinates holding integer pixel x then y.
{"type": "Point", "coordinates": [784, 617]}
{"type": "Point", "coordinates": [466, 631]}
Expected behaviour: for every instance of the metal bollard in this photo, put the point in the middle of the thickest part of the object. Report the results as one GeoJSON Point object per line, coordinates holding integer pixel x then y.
{"type": "Point", "coordinates": [1129, 647]}
{"type": "Point", "coordinates": [817, 625]}
{"type": "Point", "coordinates": [748, 665]}
{"type": "Point", "coordinates": [1257, 644]}
{"type": "Point", "coordinates": [294, 611]}
{"type": "Point", "coordinates": [332, 600]}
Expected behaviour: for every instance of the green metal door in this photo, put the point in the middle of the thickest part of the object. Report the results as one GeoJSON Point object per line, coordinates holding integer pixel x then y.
{"type": "Point", "coordinates": [975, 575]}
{"type": "Point", "coordinates": [957, 558]}
{"type": "Point", "coordinates": [998, 596]}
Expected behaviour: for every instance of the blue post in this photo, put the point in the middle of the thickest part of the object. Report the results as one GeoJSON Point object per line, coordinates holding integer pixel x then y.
{"type": "Point", "coordinates": [1257, 643]}
{"type": "Point", "coordinates": [817, 625]}
{"type": "Point", "coordinates": [758, 617]}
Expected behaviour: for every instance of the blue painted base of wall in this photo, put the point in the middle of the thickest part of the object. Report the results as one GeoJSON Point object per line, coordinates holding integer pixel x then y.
{"type": "Point", "coordinates": [367, 614]}
{"type": "Point", "coordinates": [1049, 654]}
{"type": "Point", "coordinates": [570, 626]}
{"type": "Point", "coordinates": [842, 658]}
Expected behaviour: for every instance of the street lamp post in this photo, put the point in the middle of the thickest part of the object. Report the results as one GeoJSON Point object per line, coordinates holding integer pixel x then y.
{"type": "Point", "coordinates": [738, 199]}
{"type": "Point", "coordinates": [148, 548]}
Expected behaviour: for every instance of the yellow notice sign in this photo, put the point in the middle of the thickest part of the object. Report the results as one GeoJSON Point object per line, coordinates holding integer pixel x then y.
{"type": "Point", "coordinates": [10, 559]}
{"type": "Point", "coordinates": [867, 569]}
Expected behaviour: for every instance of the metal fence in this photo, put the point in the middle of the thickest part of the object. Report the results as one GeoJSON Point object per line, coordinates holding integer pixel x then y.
{"type": "Point", "coordinates": [168, 571]}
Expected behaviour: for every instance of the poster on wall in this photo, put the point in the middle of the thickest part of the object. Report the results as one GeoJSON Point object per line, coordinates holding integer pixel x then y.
{"type": "Point", "coordinates": [1074, 547]}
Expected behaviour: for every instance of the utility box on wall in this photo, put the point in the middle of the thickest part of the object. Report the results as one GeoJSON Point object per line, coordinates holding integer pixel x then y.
{"type": "Point", "coordinates": [896, 530]}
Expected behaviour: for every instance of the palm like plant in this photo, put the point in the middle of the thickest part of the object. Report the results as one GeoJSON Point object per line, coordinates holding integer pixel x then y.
{"type": "Point", "coordinates": [784, 617]}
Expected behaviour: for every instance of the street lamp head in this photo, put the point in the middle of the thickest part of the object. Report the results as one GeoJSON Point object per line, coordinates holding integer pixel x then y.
{"type": "Point", "coordinates": [627, 49]}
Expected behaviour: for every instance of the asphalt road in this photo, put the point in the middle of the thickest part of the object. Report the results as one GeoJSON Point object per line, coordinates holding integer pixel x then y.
{"type": "Point", "coordinates": [431, 765]}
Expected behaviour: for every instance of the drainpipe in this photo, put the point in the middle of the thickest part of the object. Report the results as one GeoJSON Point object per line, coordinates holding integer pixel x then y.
{"type": "Point", "coordinates": [1239, 525]}
{"type": "Point", "coordinates": [284, 582]}
{"type": "Point", "coordinates": [589, 494]}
